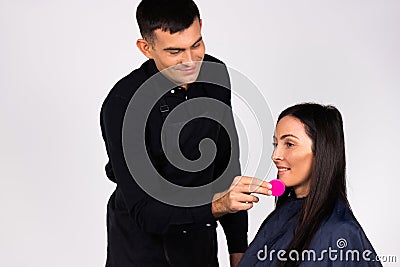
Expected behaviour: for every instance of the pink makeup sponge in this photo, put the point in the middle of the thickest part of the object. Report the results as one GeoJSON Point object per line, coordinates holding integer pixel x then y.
{"type": "Point", "coordinates": [278, 187]}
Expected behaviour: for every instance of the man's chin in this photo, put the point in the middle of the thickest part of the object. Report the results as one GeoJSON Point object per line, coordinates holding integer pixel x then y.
{"type": "Point", "coordinates": [185, 79]}
{"type": "Point", "coordinates": [189, 79]}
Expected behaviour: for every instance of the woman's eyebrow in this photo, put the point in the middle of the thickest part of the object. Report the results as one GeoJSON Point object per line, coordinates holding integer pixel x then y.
{"type": "Point", "coordinates": [288, 135]}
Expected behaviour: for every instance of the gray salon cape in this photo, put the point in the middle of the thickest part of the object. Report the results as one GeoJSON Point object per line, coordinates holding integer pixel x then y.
{"type": "Point", "coordinates": [340, 240]}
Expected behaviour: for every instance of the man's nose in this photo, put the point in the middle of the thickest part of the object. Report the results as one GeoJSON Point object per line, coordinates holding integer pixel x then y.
{"type": "Point", "coordinates": [187, 57]}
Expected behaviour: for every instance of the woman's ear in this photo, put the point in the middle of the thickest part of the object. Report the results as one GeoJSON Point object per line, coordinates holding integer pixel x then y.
{"type": "Point", "coordinates": [145, 48]}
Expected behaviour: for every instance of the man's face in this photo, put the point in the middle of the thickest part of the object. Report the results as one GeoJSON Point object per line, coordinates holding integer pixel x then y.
{"type": "Point", "coordinates": [178, 55]}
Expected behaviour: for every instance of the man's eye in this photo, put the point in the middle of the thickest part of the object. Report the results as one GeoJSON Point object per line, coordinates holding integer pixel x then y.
{"type": "Point", "coordinates": [274, 144]}
{"type": "Point", "coordinates": [196, 45]}
{"type": "Point", "coordinates": [174, 52]}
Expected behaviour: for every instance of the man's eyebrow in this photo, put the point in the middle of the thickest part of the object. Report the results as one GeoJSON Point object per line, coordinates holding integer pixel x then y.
{"type": "Point", "coordinates": [198, 40]}
{"type": "Point", "coordinates": [182, 49]}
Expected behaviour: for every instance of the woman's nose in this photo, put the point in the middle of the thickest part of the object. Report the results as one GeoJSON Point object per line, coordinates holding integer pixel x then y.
{"type": "Point", "coordinates": [276, 155]}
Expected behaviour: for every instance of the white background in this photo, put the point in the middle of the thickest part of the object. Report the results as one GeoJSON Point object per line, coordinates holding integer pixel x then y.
{"type": "Point", "coordinates": [59, 59]}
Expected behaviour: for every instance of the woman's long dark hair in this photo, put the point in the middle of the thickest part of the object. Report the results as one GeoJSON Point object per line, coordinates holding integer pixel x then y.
{"type": "Point", "coordinates": [324, 125]}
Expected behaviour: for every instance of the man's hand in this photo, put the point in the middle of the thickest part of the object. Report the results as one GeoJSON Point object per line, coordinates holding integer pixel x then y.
{"type": "Point", "coordinates": [234, 258]}
{"type": "Point", "coordinates": [238, 196]}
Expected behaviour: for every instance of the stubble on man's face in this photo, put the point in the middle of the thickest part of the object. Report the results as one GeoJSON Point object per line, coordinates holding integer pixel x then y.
{"type": "Point", "coordinates": [178, 56]}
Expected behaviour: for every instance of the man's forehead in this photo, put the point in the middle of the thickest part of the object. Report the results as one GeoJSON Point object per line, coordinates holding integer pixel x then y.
{"type": "Point", "coordinates": [181, 39]}
{"type": "Point", "coordinates": [164, 41]}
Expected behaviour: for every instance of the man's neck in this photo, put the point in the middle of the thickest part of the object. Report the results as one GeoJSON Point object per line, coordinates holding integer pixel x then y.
{"type": "Point", "coordinates": [185, 86]}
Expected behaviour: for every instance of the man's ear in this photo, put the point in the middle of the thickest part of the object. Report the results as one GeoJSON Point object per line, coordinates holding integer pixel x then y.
{"type": "Point", "coordinates": [201, 23]}
{"type": "Point", "coordinates": [145, 48]}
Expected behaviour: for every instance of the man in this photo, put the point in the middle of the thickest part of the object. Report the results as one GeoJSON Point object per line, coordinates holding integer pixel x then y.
{"type": "Point", "coordinates": [142, 230]}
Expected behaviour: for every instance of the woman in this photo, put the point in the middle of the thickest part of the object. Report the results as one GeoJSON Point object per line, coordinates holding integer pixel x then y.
{"type": "Point", "coordinates": [312, 224]}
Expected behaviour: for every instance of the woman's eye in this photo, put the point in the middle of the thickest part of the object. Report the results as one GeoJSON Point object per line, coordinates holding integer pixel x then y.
{"type": "Point", "coordinates": [288, 144]}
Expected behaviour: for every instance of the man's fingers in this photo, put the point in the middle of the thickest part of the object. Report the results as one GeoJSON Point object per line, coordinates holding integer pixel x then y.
{"type": "Point", "coordinates": [247, 198]}
{"type": "Point", "coordinates": [247, 206]}
{"type": "Point", "coordinates": [242, 206]}
{"type": "Point", "coordinates": [263, 191]}
{"type": "Point", "coordinates": [251, 182]}
{"type": "Point", "coordinates": [252, 188]}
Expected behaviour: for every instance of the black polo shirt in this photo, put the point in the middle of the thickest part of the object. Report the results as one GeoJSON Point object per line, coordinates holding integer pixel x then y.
{"type": "Point", "coordinates": [143, 230]}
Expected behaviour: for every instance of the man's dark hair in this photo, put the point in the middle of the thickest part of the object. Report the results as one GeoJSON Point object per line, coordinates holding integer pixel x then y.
{"type": "Point", "coordinates": [167, 15]}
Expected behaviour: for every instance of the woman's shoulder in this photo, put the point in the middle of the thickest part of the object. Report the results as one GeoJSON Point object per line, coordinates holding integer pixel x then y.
{"type": "Point", "coordinates": [342, 216]}
{"type": "Point", "coordinates": [343, 238]}
{"type": "Point", "coordinates": [342, 230]}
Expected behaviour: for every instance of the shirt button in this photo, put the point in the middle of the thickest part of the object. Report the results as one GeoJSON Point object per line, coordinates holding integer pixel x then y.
{"type": "Point", "coordinates": [172, 91]}
{"type": "Point", "coordinates": [208, 225]}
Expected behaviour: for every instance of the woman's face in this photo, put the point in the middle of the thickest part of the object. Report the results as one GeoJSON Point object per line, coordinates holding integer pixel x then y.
{"type": "Point", "coordinates": [293, 154]}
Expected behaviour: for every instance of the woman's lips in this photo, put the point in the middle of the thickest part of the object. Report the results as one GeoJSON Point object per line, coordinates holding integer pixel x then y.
{"type": "Point", "coordinates": [282, 170]}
